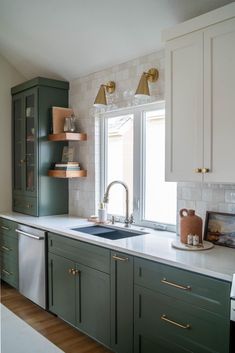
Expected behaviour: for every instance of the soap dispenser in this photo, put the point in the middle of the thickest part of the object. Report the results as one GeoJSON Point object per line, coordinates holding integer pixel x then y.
{"type": "Point", "coordinates": [102, 214]}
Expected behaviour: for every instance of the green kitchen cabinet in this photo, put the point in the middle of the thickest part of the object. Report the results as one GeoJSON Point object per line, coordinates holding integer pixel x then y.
{"type": "Point", "coordinates": [79, 293]}
{"type": "Point", "coordinates": [179, 311]}
{"type": "Point", "coordinates": [93, 303]}
{"type": "Point", "coordinates": [34, 192]}
{"type": "Point", "coordinates": [62, 287]}
{"type": "Point", "coordinates": [9, 252]}
{"type": "Point", "coordinates": [121, 302]}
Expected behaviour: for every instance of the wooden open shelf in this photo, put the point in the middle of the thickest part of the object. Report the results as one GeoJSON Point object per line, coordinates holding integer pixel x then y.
{"type": "Point", "coordinates": [67, 173]}
{"type": "Point", "coordinates": [68, 136]}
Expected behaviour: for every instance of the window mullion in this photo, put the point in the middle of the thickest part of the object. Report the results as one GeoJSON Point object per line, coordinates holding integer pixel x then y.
{"type": "Point", "coordinates": [137, 161]}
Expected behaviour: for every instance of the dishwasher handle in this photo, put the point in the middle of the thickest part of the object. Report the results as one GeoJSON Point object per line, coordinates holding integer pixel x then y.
{"type": "Point", "coordinates": [36, 237]}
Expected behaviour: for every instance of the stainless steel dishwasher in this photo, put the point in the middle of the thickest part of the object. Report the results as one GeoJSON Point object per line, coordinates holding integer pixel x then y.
{"type": "Point", "coordinates": [32, 281]}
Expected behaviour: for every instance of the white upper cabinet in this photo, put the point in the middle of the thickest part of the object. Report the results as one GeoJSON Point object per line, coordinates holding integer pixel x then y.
{"type": "Point", "coordinates": [184, 107]}
{"type": "Point", "coordinates": [200, 102]}
{"type": "Point", "coordinates": [219, 102]}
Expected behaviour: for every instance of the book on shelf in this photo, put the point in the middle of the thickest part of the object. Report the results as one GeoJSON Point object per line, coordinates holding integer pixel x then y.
{"type": "Point", "coordinates": [67, 168]}
{"type": "Point", "coordinates": [67, 164]}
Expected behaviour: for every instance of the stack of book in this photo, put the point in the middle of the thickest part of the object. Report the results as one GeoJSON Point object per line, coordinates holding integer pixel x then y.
{"type": "Point", "coordinates": [67, 166]}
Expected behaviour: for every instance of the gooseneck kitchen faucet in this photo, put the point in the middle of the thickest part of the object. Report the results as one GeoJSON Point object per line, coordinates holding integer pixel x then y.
{"type": "Point", "coordinates": [106, 199]}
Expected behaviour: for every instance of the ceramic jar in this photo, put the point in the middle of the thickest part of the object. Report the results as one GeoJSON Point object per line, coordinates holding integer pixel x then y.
{"type": "Point", "coordinates": [189, 224]}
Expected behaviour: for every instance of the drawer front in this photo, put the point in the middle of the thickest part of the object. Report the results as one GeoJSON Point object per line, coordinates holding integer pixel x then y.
{"type": "Point", "coordinates": [195, 329]}
{"type": "Point", "coordinates": [26, 205]}
{"type": "Point", "coordinates": [9, 246]}
{"type": "Point", "coordinates": [9, 271]}
{"type": "Point", "coordinates": [7, 227]}
{"type": "Point", "coordinates": [202, 291]}
{"type": "Point", "coordinates": [75, 250]}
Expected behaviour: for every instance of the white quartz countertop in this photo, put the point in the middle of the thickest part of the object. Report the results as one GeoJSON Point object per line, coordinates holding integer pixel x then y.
{"type": "Point", "coordinates": [218, 262]}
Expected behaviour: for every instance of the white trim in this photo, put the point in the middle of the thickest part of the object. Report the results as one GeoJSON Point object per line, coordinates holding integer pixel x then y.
{"type": "Point", "coordinates": [138, 160]}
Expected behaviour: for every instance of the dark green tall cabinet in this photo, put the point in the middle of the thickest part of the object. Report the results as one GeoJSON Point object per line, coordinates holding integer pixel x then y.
{"type": "Point", "coordinates": [34, 192]}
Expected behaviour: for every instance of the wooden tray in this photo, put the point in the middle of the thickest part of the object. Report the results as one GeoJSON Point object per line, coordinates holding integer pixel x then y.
{"type": "Point", "coordinates": [206, 245]}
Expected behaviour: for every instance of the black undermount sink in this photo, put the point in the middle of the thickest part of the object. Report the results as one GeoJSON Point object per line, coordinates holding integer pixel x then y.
{"type": "Point", "coordinates": [108, 233]}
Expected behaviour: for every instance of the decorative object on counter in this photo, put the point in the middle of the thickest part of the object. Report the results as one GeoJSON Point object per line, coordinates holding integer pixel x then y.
{"type": "Point", "coordinates": [143, 87]}
{"type": "Point", "coordinates": [190, 239]}
{"type": "Point", "coordinates": [102, 213]}
{"type": "Point", "coordinates": [177, 244]}
{"type": "Point", "coordinates": [58, 118]}
{"type": "Point", "coordinates": [93, 218]}
{"type": "Point", "coordinates": [100, 100]}
{"type": "Point", "coordinates": [220, 228]}
{"type": "Point", "coordinates": [189, 224]}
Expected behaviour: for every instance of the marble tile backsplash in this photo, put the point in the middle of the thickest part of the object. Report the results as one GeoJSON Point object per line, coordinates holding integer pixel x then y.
{"type": "Point", "coordinates": [206, 197]}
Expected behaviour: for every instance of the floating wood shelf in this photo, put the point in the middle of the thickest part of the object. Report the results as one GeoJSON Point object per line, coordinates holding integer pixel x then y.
{"type": "Point", "coordinates": [68, 136]}
{"type": "Point", "coordinates": [67, 173]}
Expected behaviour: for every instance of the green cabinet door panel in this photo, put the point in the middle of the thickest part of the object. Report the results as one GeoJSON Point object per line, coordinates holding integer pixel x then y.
{"type": "Point", "coordinates": [121, 302]}
{"type": "Point", "coordinates": [195, 329]}
{"type": "Point", "coordinates": [203, 291]}
{"type": "Point", "coordinates": [61, 288]}
{"type": "Point", "coordinates": [93, 303]}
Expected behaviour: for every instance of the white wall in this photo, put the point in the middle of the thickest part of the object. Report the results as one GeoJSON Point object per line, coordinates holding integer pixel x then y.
{"type": "Point", "coordinates": [8, 78]}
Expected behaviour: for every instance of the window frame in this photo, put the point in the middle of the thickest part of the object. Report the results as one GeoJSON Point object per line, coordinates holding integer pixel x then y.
{"type": "Point", "coordinates": [138, 160]}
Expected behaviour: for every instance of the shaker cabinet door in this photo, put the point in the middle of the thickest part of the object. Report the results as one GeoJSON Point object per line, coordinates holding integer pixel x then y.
{"type": "Point", "coordinates": [184, 107]}
{"type": "Point", "coordinates": [219, 109]}
{"type": "Point", "coordinates": [93, 303]}
{"type": "Point", "coordinates": [61, 287]}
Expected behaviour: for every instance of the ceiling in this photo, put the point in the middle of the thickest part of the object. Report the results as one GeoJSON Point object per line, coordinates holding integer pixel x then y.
{"type": "Point", "coordinates": [71, 38]}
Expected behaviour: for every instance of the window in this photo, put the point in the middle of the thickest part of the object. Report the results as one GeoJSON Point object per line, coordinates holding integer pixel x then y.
{"type": "Point", "coordinates": [133, 151]}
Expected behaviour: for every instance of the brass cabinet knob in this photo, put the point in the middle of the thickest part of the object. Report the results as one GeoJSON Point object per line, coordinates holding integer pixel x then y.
{"type": "Point", "coordinates": [198, 170]}
{"type": "Point", "coordinates": [73, 272]}
{"type": "Point", "coordinates": [205, 170]}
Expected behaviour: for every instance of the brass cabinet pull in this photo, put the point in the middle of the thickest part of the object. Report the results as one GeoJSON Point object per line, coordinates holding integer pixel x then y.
{"type": "Point", "coordinates": [5, 228]}
{"type": "Point", "coordinates": [22, 161]}
{"type": "Point", "coordinates": [205, 170]}
{"type": "Point", "coordinates": [164, 280]}
{"type": "Point", "coordinates": [73, 272]}
{"type": "Point", "coordinates": [28, 205]}
{"type": "Point", "coordinates": [198, 170]}
{"type": "Point", "coordinates": [5, 248]}
{"type": "Point", "coordinates": [6, 272]}
{"type": "Point", "coordinates": [164, 318]}
{"type": "Point", "coordinates": [119, 258]}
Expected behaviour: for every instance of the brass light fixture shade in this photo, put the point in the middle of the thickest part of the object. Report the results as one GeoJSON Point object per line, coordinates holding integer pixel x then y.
{"type": "Point", "coordinates": [100, 99]}
{"type": "Point", "coordinates": [143, 87]}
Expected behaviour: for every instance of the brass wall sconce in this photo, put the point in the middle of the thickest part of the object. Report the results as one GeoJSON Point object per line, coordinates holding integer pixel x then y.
{"type": "Point", "coordinates": [100, 100]}
{"type": "Point", "coordinates": [143, 87]}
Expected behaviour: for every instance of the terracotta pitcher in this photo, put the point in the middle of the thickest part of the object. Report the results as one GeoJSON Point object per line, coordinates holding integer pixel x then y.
{"type": "Point", "coordinates": [189, 224]}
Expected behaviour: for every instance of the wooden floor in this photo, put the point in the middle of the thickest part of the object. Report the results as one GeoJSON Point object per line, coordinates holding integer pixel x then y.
{"type": "Point", "coordinates": [67, 338]}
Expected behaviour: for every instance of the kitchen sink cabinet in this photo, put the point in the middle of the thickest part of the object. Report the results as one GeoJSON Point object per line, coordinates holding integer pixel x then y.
{"type": "Point", "coordinates": [200, 106]}
{"type": "Point", "coordinates": [178, 313]}
{"type": "Point", "coordinates": [121, 302]}
{"type": "Point", "coordinates": [9, 252]}
{"type": "Point", "coordinates": [78, 293]}
{"type": "Point", "coordinates": [35, 193]}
